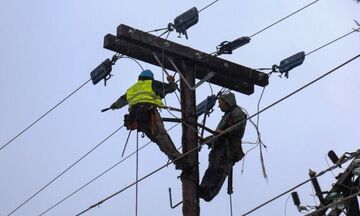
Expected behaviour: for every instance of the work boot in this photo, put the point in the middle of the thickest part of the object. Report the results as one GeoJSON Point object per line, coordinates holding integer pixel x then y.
{"type": "Point", "coordinates": [204, 193]}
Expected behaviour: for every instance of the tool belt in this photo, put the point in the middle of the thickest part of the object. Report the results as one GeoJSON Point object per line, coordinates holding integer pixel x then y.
{"type": "Point", "coordinates": [139, 116]}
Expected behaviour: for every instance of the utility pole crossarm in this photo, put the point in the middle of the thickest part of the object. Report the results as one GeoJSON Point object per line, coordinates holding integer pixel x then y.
{"type": "Point", "coordinates": [141, 45]}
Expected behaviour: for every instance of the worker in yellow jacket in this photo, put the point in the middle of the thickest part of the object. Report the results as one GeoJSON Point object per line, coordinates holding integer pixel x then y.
{"type": "Point", "coordinates": [144, 97]}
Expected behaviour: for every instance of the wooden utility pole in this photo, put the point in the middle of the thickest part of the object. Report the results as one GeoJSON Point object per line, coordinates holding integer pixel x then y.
{"type": "Point", "coordinates": [190, 178]}
{"type": "Point", "coordinates": [192, 64]}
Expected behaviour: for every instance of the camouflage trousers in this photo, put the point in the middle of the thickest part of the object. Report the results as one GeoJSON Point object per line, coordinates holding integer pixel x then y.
{"type": "Point", "coordinates": [216, 173]}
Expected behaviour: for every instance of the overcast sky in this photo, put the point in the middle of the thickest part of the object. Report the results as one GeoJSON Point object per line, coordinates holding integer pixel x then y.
{"type": "Point", "coordinates": [49, 48]}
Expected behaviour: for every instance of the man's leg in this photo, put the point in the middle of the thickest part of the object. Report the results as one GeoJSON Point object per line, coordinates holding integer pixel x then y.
{"type": "Point", "coordinates": [163, 139]}
{"type": "Point", "coordinates": [215, 174]}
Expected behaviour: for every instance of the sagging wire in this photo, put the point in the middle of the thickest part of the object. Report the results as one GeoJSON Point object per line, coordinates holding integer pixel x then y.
{"type": "Point", "coordinates": [228, 129]}
{"type": "Point", "coordinates": [64, 171]}
{"type": "Point", "coordinates": [259, 141]}
{"type": "Point", "coordinates": [286, 202]}
{"type": "Point", "coordinates": [101, 174]}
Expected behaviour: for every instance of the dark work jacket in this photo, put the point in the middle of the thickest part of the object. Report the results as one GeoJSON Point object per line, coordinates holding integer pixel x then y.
{"type": "Point", "coordinates": [234, 115]}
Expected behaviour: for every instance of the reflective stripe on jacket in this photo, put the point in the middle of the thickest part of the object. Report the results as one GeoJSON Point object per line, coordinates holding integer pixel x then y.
{"type": "Point", "coordinates": [142, 92]}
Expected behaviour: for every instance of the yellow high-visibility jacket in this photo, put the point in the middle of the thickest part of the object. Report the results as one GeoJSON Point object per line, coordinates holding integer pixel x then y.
{"type": "Point", "coordinates": [142, 92]}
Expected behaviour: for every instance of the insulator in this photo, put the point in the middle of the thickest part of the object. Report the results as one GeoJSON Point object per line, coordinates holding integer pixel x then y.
{"type": "Point", "coordinates": [291, 62]}
{"type": "Point", "coordinates": [333, 157]}
{"type": "Point", "coordinates": [295, 198]}
{"type": "Point", "coordinates": [101, 72]}
{"type": "Point", "coordinates": [186, 20]}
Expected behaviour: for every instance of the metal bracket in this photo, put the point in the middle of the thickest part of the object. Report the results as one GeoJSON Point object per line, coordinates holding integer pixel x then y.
{"type": "Point", "coordinates": [171, 204]}
{"type": "Point", "coordinates": [206, 78]}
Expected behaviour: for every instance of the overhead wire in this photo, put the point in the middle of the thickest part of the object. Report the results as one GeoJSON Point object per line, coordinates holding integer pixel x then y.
{"type": "Point", "coordinates": [333, 41]}
{"type": "Point", "coordinates": [101, 174]}
{"type": "Point", "coordinates": [137, 174]}
{"type": "Point", "coordinates": [225, 131]}
{"type": "Point", "coordinates": [64, 171]}
{"type": "Point", "coordinates": [45, 114]}
{"type": "Point", "coordinates": [204, 8]}
{"type": "Point", "coordinates": [284, 18]}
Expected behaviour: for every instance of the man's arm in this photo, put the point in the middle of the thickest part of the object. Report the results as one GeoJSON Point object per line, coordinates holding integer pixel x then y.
{"type": "Point", "coordinates": [163, 89]}
{"type": "Point", "coordinates": [119, 103]}
{"type": "Point", "coordinates": [237, 118]}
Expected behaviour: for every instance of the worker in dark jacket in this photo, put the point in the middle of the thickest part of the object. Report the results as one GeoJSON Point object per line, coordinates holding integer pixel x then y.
{"type": "Point", "coordinates": [226, 149]}
{"type": "Point", "coordinates": [143, 98]}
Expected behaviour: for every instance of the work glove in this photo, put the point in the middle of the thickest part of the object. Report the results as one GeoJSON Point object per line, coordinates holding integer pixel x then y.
{"type": "Point", "coordinates": [114, 106]}
{"type": "Point", "coordinates": [170, 79]}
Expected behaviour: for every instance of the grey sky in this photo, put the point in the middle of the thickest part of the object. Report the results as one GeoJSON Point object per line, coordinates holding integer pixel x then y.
{"type": "Point", "coordinates": [48, 49]}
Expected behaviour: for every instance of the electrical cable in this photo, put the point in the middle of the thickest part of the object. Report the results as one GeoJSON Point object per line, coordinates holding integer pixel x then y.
{"type": "Point", "coordinates": [225, 131]}
{"type": "Point", "coordinates": [298, 185]}
{"type": "Point", "coordinates": [137, 62]}
{"type": "Point", "coordinates": [333, 41]}
{"type": "Point", "coordinates": [286, 202]}
{"type": "Point", "coordinates": [63, 172]}
{"type": "Point", "coordinates": [36, 121]}
{"type": "Point", "coordinates": [137, 174]}
{"type": "Point", "coordinates": [282, 19]}
{"type": "Point", "coordinates": [208, 6]}
{"type": "Point", "coordinates": [231, 206]}
{"type": "Point", "coordinates": [327, 162]}
{"type": "Point", "coordinates": [101, 174]}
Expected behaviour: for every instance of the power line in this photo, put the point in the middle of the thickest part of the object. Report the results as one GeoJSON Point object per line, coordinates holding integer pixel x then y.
{"type": "Point", "coordinates": [222, 133]}
{"type": "Point", "coordinates": [333, 41]}
{"type": "Point", "coordinates": [282, 19]}
{"type": "Point", "coordinates": [36, 121]}
{"type": "Point", "coordinates": [300, 184]}
{"type": "Point", "coordinates": [208, 6]}
{"type": "Point", "coordinates": [98, 176]}
{"type": "Point", "coordinates": [63, 172]}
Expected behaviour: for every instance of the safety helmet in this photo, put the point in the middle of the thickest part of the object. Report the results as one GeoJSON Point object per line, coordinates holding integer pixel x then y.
{"type": "Point", "coordinates": [147, 73]}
